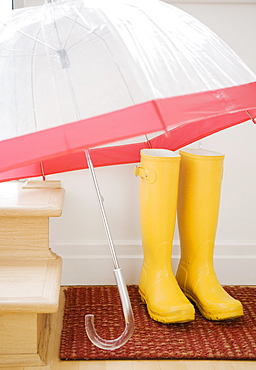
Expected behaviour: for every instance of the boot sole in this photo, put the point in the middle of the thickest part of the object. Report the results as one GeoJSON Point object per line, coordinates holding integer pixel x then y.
{"type": "Point", "coordinates": [170, 318]}
{"type": "Point", "coordinates": [214, 316]}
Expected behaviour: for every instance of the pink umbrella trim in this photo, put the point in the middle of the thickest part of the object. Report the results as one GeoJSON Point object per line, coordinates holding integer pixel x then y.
{"type": "Point", "coordinates": [187, 118]}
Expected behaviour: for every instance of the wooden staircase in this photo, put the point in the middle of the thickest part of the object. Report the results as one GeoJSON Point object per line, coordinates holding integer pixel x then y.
{"type": "Point", "coordinates": [30, 273]}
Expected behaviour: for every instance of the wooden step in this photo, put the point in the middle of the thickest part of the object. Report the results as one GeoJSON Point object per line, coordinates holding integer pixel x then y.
{"type": "Point", "coordinates": [30, 274]}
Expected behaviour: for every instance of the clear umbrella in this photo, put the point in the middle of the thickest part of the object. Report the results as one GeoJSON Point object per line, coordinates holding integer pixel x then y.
{"type": "Point", "coordinates": [84, 74]}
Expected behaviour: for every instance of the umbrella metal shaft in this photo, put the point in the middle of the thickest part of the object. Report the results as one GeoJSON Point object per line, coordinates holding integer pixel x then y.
{"type": "Point", "coordinates": [102, 209]}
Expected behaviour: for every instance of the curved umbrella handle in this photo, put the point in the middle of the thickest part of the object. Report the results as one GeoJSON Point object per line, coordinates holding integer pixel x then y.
{"type": "Point", "coordinates": [128, 316]}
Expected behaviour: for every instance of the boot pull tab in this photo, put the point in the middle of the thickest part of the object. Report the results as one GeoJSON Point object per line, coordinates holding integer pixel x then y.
{"type": "Point", "coordinates": [147, 174]}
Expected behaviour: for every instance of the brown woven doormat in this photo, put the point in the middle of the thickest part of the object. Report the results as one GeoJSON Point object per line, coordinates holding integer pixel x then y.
{"type": "Point", "coordinates": [200, 339]}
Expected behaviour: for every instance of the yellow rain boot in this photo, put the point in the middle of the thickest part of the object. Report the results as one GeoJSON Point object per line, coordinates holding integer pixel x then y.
{"type": "Point", "coordinates": [198, 207]}
{"type": "Point", "coordinates": [159, 172]}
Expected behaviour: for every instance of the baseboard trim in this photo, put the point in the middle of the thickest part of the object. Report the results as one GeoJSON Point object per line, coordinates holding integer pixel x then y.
{"type": "Point", "coordinates": [90, 263]}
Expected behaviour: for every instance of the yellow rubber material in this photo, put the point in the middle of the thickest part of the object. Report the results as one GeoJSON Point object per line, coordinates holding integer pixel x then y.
{"type": "Point", "coordinates": [198, 209]}
{"type": "Point", "coordinates": [159, 171]}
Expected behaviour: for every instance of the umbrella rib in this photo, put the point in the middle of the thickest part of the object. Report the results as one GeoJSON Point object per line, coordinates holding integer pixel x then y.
{"type": "Point", "coordinates": [32, 85]}
{"type": "Point", "coordinates": [74, 22]}
{"type": "Point", "coordinates": [102, 39]}
{"type": "Point", "coordinates": [104, 42]}
{"type": "Point", "coordinates": [248, 114]}
{"type": "Point", "coordinates": [33, 38]}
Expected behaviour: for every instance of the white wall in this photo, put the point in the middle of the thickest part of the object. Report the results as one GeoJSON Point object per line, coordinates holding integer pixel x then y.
{"type": "Point", "coordinates": [78, 235]}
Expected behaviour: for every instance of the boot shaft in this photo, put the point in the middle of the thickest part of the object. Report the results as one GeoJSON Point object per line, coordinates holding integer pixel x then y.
{"type": "Point", "coordinates": [159, 172]}
{"type": "Point", "coordinates": [200, 181]}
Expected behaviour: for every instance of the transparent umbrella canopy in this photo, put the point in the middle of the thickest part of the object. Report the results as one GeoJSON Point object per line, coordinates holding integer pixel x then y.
{"type": "Point", "coordinates": [76, 77]}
